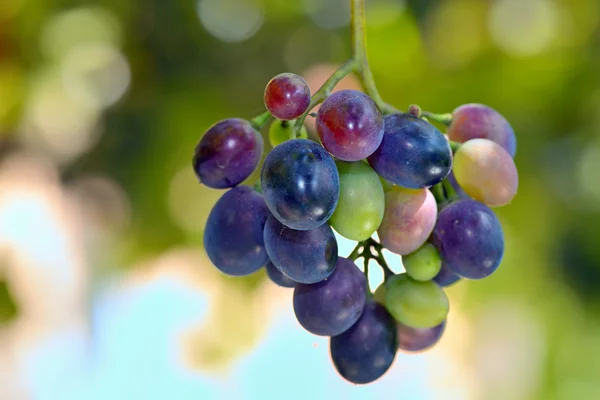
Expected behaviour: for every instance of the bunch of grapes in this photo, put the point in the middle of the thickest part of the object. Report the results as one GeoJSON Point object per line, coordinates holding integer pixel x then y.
{"type": "Point", "coordinates": [426, 195]}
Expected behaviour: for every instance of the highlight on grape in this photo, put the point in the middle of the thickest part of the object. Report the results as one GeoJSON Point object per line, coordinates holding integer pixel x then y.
{"type": "Point", "coordinates": [370, 168]}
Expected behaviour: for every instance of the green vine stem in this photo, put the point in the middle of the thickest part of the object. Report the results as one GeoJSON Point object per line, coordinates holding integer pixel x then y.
{"type": "Point", "coordinates": [454, 145]}
{"type": "Point", "coordinates": [261, 120]}
{"type": "Point", "coordinates": [444, 119]}
{"type": "Point", "coordinates": [359, 54]}
{"type": "Point", "coordinates": [438, 193]}
{"type": "Point", "coordinates": [451, 193]}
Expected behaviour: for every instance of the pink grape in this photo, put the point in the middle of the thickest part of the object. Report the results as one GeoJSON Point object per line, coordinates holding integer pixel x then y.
{"type": "Point", "coordinates": [409, 219]}
{"type": "Point", "coordinates": [486, 172]}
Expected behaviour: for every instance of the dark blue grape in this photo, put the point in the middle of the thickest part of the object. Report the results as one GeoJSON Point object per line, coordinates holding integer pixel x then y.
{"type": "Point", "coordinates": [300, 183]}
{"type": "Point", "coordinates": [233, 237]}
{"type": "Point", "coordinates": [303, 256]}
{"type": "Point", "coordinates": [278, 277]}
{"type": "Point", "coordinates": [413, 153]}
{"type": "Point", "coordinates": [227, 153]}
{"type": "Point", "coordinates": [330, 307]}
{"type": "Point", "coordinates": [446, 277]}
{"type": "Point", "coordinates": [470, 240]}
{"type": "Point", "coordinates": [418, 339]}
{"type": "Point", "coordinates": [366, 351]}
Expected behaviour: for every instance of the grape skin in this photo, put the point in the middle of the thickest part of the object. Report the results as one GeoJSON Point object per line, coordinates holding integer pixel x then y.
{"type": "Point", "coordinates": [233, 237]}
{"type": "Point", "coordinates": [472, 121]}
{"type": "Point", "coordinates": [300, 183]}
{"type": "Point", "coordinates": [227, 153]}
{"type": "Point", "coordinates": [419, 339]}
{"type": "Point", "coordinates": [330, 307]}
{"type": "Point", "coordinates": [360, 208]}
{"type": "Point", "coordinates": [303, 256]}
{"type": "Point", "coordinates": [413, 153]}
{"type": "Point", "coordinates": [287, 96]}
{"type": "Point", "coordinates": [423, 264]}
{"type": "Point", "coordinates": [350, 125]}
{"type": "Point", "coordinates": [486, 172]}
{"type": "Point", "coordinates": [408, 220]}
{"type": "Point", "coordinates": [277, 277]}
{"type": "Point", "coordinates": [414, 303]}
{"type": "Point", "coordinates": [446, 277]}
{"type": "Point", "coordinates": [367, 350]}
{"type": "Point", "coordinates": [470, 240]}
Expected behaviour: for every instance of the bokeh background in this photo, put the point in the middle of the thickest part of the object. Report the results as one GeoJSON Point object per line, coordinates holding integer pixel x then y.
{"type": "Point", "coordinates": [105, 292]}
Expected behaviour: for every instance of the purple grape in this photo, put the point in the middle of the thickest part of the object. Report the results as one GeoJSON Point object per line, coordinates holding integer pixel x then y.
{"type": "Point", "coordinates": [303, 256]}
{"type": "Point", "coordinates": [418, 339]}
{"type": "Point", "coordinates": [227, 153]}
{"type": "Point", "coordinates": [233, 237]}
{"type": "Point", "coordinates": [367, 350]}
{"type": "Point", "coordinates": [287, 96]}
{"type": "Point", "coordinates": [301, 184]}
{"type": "Point", "coordinates": [469, 237]}
{"type": "Point", "coordinates": [446, 277]}
{"type": "Point", "coordinates": [277, 277]}
{"type": "Point", "coordinates": [477, 121]}
{"type": "Point", "coordinates": [413, 153]}
{"type": "Point", "coordinates": [330, 307]}
{"type": "Point", "coordinates": [350, 125]}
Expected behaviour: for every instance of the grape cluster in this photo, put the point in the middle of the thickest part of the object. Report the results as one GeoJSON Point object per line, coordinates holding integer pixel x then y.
{"type": "Point", "coordinates": [426, 195]}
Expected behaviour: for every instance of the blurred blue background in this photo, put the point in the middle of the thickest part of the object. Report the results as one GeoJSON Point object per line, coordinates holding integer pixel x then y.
{"type": "Point", "coordinates": [105, 291]}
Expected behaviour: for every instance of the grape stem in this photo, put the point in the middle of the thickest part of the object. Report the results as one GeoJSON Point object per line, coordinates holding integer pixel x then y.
{"type": "Point", "coordinates": [439, 193]}
{"type": "Point", "coordinates": [261, 120]}
{"type": "Point", "coordinates": [370, 249]}
{"type": "Point", "coordinates": [359, 54]}
{"type": "Point", "coordinates": [358, 64]}
{"type": "Point", "coordinates": [454, 145]}
{"type": "Point", "coordinates": [444, 119]}
{"type": "Point", "coordinates": [451, 194]}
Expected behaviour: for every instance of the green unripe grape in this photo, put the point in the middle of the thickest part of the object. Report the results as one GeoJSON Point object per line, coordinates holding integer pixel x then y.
{"type": "Point", "coordinates": [379, 295]}
{"type": "Point", "coordinates": [416, 304]}
{"type": "Point", "coordinates": [361, 204]}
{"type": "Point", "coordinates": [424, 264]}
{"type": "Point", "coordinates": [281, 131]}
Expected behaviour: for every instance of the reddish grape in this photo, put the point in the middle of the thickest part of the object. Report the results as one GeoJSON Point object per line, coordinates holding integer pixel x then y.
{"type": "Point", "coordinates": [350, 125]}
{"type": "Point", "coordinates": [486, 172]}
{"type": "Point", "coordinates": [408, 220]}
{"type": "Point", "coordinates": [472, 121]}
{"type": "Point", "coordinates": [227, 153]}
{"type": "Point", "coordinates": [287, 96]}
